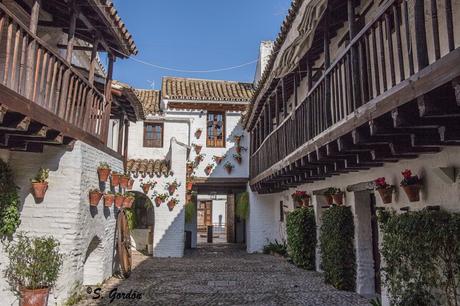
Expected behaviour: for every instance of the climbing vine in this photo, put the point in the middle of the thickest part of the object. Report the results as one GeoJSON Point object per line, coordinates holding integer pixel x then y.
{"type": "Point", "coordinates": [422, 255]}
{"type": "Point", "coordinates": [337, 249]}
{"type": "Point", "coordinates": [9, 201]}
{"type": "Point", "coordinates": [301, 237]}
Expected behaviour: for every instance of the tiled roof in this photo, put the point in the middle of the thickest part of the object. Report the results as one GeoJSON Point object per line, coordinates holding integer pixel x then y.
{"type": "Point", "coordinates": [206, 90]}
{"type": "Point", "coordinates": [150, 100]}
{"type": "Point", "coordinates": [148, 167]}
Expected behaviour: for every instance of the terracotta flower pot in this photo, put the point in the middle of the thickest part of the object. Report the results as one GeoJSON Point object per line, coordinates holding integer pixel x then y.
{"type": "Point", "coordinates": [172, 189]}
{"type": "Point", "coordinates": [115, 179]}
{"type": "Point", "coordinates": [146, 188]}
{"type": "Point", "coordinates": [128, 202]}
{"type": "Point", "coordinates": [108, 200]}
{"type": "Point", "coordinates": [103, 174]}
{"type": "Point", "coordinates": [198, 134]}
{"type": "Point", "coordinates": [229, 170]}
{"type": "Point", "coordinates": [40, 190]}
{"type": "Point", "coordinates": [94, 197]}
{"type": "Point", "coordinates": [237, 140]}
{"type": "Point", "coordinates": [158, 201]}
{"type": "Point", "coordinates": [171, 205]}
{"type": "Point", "coordinates": [198, 149]}
{"type": "Point", "coordinates": [119, 201]}
{"type": "Point", "coordinates": [219, 160]}
{"type": "Point", "coordinates": [238, 160]}
{"type": "Point", "coordinates": [386, 194]}
{"type": "Point", "coordinates": [412, 192]}
{"type": "Point", "coordinates": [338, 198]}
{"type": "Point", "coordinates": [207, 170]}
{"type": "Point", "coordinates": [189, 186]}
{"type": "Point", "coordinates": [124, 181]}
{"type": "Point", "coordinates": [329, 200]}
{"type": "Point", "coordinates": [34, 297]}
{"type": "Point", "coordinates": [130, 184]}
{"type": "Point", "coordinates": [238, 149]}
{"type": "Point", "coordinates": [197, 160]}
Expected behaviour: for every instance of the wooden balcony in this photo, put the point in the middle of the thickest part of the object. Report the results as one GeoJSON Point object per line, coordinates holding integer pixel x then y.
{"type": "Point", "coordinates": [43, 99]}
{"type": "Point", "coordinates": [391, 94]}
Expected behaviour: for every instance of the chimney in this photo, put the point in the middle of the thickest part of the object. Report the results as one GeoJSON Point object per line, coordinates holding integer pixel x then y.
{"type": "Point", "coordinates": [265, 50]}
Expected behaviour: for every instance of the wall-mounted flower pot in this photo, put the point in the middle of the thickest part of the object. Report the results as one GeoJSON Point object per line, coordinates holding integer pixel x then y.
{"type": "Point", "coordinates": [198, 159]}
{"type": "Point", "coordinates": [412, 192]}
{"type": "Point", "coordinates": [198, 149]}
{"type": "Point", "coordinates": [238, 149]}
{"type": "Point", "coordinates": [94, 197]}
{"type": "Point", "coordinates": [108, 200]}
{"type": "Point", "coordinates": [172, 189]}
{"type": "Point", "coordinates": [208, 170]}
{"type": "Point", "coordinates": [171, 204]}
{"type": "Point", "coordinates": [229, 170]}
{"type": "Point", "coordinates": [338, 198]}
{"type": "Point", "coordinates": [189, 186]}
{"type": "Point", "coordinates": [237, 140]}
{"type": "Point", "coordinates": [158, 201]}
{"type": "Point", "coordinates": [130, 184]}
{"type": "Point", "coordinates": [103, 174]}
{"type": "Point", "coordinates": [39, 190]}
{"type": "Point", "coordinates": [34, 297]}
{"type": "Point", "coordinates": [386, 194]}
{"type": "Point", "coordinates": [124, 181]}
{"type": "Point", "coordinates": [115, 179]}
{"type": "Point", "coordinates": [238, 160]}
{"type": "Point", "coordinates": [329, 200]}
{"type": "Point", "coordinates": [119, 201]}
{"type": "Point", "coordinates": [218, 159]}
{"type": "Point", "coordinates": [128, 202]}
{"type": "Point", "coordinates": [146, 188]}
{"type": "Point", "coordinates": [198, 133]}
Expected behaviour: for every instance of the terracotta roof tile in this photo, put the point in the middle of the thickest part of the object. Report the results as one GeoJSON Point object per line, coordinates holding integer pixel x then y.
{"type": "Point", "coordinates": [206, 90]}
{"type": "Point", "coordinates": [149, 167]}
{"type": "Point", "coordinates": [150, 100]}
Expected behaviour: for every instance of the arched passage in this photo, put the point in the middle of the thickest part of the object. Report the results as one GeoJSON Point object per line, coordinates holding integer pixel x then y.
{"type": "Point", "coordinates": [142, 233]}
{"type": "Point", "coordinates": [93, 268]}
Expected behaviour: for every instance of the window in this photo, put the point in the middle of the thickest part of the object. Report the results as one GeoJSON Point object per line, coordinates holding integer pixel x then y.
{"type": "Point", "coordinates": [216, 129]}
{"type": "Point", "coordinates": [153, 135]}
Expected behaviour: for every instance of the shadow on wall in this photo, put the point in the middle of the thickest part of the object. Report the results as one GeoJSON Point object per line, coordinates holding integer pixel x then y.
{"type": "Point", "coordinates": [173, 236]}
{"type": "Point", "coordinates": [93, 272]}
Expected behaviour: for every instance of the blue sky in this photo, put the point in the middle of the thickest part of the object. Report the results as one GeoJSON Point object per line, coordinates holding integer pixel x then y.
{"type": "Point", "coordinates": [196, 35]}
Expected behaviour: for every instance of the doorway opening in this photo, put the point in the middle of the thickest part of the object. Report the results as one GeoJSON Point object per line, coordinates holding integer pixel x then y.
{"type": "Point", "coordinates": [212, 218]}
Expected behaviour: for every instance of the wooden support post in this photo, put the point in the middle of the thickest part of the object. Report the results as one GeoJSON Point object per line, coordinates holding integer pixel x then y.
{"type": "Point", "coordinates": [277, 109]}
{"type": "Point", "coordinates": [449, 24]}
{"type": "Point", "coordinates": [30, 64]}
{"type": "Point", "coordinates": [296, 94]}
{"type": "Point", "coordinates": [120, 133]}
{"type": "Point", "coordinates": [356, 94]}
{"type": "Point", "coordinates": [283, 93]}
{"type": "Point", "coordinates": [309, 75]}
{"type": "Point", "coordinates": [420, 34]}
{"type": "Point", "coordinates": [108, 98]}
{"type": "Point", "coordinates": [125, 145]}
{"type": "Point", "coordinates": [93, 63]}
{"type": "Point", "coordinates": [71, 34]}
{"type": "Point", "coordinates": [270, 118]}
{"type": "Point", "coordinates": [327, 82]}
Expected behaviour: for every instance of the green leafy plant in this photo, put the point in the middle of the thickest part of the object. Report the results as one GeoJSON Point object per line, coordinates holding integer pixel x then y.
{"type": "Point", "coordinates": [34, 263]}
{"type": "Point", "coordinates": [276, 247]}
{"type": "Point", "coordinates": [9, 201]}
{"type": "Point", "coordinates": [332, 191]}
{"type": "Point", "coordinates": [41, 176]}
{"type": "Point", "coordinates": [103, 165]}
{"type": "Point", "coordinates": [337, 248]}
{"type": "Point", "coordinates": [422, 255]}
{"type": "Point", "coordinates": [242, 206]}
{"type": "Point", "coordinates": [190, 212]}
{"type": "Point", "coordinates": [131, 217]}
{"type": "Point", "coordinates": [301, 237]}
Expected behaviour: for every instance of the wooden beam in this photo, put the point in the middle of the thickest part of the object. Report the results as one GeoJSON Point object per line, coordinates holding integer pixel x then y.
{"type": "Point", "coordinates": [93, 61]}
{"type": "Point", "coordinates": [71, 34]}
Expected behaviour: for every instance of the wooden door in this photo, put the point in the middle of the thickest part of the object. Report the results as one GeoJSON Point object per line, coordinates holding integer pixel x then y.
{"type": "Point", "coordinates": [204, 212]}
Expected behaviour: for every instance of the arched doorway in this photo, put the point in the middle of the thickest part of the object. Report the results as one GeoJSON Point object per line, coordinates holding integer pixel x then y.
{"type": "Point", "coordinates": [93, 269]}
{"type": "Point", "coordinates": [143, 225]}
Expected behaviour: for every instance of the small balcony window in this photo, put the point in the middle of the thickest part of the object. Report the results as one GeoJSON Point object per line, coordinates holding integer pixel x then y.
{"type": "Point", "coordinates": [216, 130]}
{"type": "Point", "coordinates": [153, 135]}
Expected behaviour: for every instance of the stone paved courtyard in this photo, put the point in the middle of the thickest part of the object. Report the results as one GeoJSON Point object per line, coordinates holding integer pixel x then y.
{"type": "Point", "coordinates": [222, 275]}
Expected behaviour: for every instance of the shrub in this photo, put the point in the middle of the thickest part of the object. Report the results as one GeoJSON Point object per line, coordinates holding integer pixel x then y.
{"type": "Point", "coordinates": [276, 247]}
{"type": "Point", "coordinates": [190, 212]}
{"type": "Point", "coordinates": [422, 255]}
{"type": "Point", "coordinates": [301, 237]}
{"type": "Point", "coordinates": [337, 249]}
{"type": "Point", "coordinates": [9, 201]}
{"type": "Point", "coordinates": [242, 206]}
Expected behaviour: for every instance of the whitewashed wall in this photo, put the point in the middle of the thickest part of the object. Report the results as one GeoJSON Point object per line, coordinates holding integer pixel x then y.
{"type": "Point", "coordinates": [65, 212]}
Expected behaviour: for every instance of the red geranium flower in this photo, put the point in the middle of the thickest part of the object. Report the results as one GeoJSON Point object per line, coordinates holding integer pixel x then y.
{"type": "Point", "coordinates": [407, 174]}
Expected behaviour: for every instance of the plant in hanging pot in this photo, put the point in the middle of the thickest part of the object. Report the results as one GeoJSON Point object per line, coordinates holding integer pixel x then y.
{"type": "Point", "coordinates": [198, 159]}
{"type": "Point", "coordinates": [218, 159]}
{"type": "Point", "coordinates": [103, 171]}
{"type": "Point", "coordinates": [129, 200]}
{"type": "Point", "coordinates": [229, 167]}
{"type": "Point", "coordinates": [109, 197]}
{"type": "Point", "coordinates": [40, 183]}
{"type": "Point", "coordinates": [172, 186]}
{"type": "Point", "coordinates": [240, 149]}
{"type": "Point", "coordinates": [124, 180]}
{"type": "Point", "coordinates": [146, 186]}
{"type": "Point", "coordinates": [172, 203]}
{"type": "Point", "coordinates": [238, 158]}
{"type": "Point", "coordinates": [237, 139]}
{"type": "Point", "coordinates": [301, 198]}
{"type": "Point", "coordinates": [197, 148]}
{"type": "Point", "coordinates": [198, 133]}
{"type": "Point", "coordinates": [190, 166]}
{"type": "Point", "coordinates": [95, 196]}
{"type": "Point", "coordinates": [208, 169]}
{"type": "Point", "coordinates": [189, 184]}
{"type": "Point", "coordinates": [119, 198]}
{"type": "Point", "coordinates": [33, 268]}
{"type": "Point", "coordinates": [334, 195]}
{"type": "Point", "coordinates": [160, 198]}
{"type": "Point", "coordinates": [385, 190]}
{"type": "Point", "coordinates": [130, 184]}
{"type": "Point", "coordinates": [411, 185]}
{"type": "Point", "coordinates": [116, 179]}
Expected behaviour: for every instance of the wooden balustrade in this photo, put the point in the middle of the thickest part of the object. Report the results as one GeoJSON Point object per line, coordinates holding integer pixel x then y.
{"type": "Point", "coordinates": [387, 50]}
{"type": "Point", "coordinates": [33, 69]}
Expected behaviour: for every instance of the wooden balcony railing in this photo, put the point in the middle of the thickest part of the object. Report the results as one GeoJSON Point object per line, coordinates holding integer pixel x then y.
{"type": "Point", "coordinates": [33, 69]}
{"type": "Point", "coordinates": [389, 49]}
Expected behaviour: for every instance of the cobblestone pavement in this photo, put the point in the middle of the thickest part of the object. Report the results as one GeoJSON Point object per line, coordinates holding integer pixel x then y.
{"type": "Point", "coordinates": [222, 275]}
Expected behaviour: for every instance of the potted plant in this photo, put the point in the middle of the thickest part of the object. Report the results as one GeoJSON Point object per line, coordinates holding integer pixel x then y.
{"type": "Point", "coordinates": [198, 133]}
{"type": "Point", "coordinates": [218, 159]}
{"type": "Point", "coordinates": [118, 199]}
{"type": "Point", "coordinates": [229, 167]}
{"type": "Point", "coordinates": [128, 200]}
{"type": "Point", "coordinates": [130, 184]}
{"type": "Point", "coordinates": [172, 203]}
{"type": "Point", "coordinates": [411, 185]}
{"type": "Point", "coordinates": [302, 198]}
{"type": "Point", "coordinates": [385, 190]}
{"type": "Point", "coordinates": [197, 148]}
{"type": "Point", "coordinates": [198, 159]}
{"type": "Point", "coordinates": [95, 196]}
{"type": "Point", "coordinates": [33, 268]}
{"type": "Point", "coordinates": [124, 180]}
{"type": "Point", "coordinates": [190, 167]}
{"type": "Point", "coordinates": [208, 169]}
{"type": "Point", "coordinates": [109, 197]}
{"type": "Point", "coordinates": [103, 171]}
{"type": "Point", "coordinates": [147, 185]}
{"type": "Point", "coordinates": [240, 149]}
{"type": "Point", "coordinates": [334, 195]}
{"type": "Point", "coordinates": [237, 139]}
{"type": "Point", "coordinates": [160, 198]}
{"type": "Point", "coordinates": [40, 183]}
{"type": "Point", "coordinates": [172, 186]}
{"type": "Point", "coordinates": [115, 179]}
{"type": "Point", "coordinates": [189, 185]}
{"type": "Point", "coordinates": [238, 157]}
